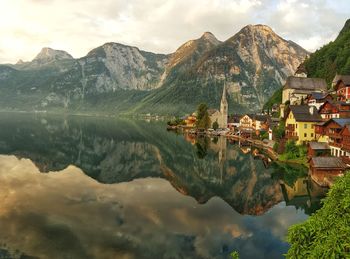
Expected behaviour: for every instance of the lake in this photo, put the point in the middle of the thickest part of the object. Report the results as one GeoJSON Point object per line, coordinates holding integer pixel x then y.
{"type": "Point", "coordinates": [84, 187]}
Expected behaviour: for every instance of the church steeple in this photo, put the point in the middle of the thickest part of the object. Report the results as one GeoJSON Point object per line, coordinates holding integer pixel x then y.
{"type": "Point", "coordinates": [224, 108]}
{"type": "Point", "coordinates": [223, 104]}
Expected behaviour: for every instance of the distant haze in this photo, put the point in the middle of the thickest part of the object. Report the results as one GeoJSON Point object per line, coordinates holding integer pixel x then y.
{"type": "Point", "coordinates": [158, 26]}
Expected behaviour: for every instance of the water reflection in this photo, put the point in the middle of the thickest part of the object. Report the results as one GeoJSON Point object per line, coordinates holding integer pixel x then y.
{"type": "Point", "coordinates": [127, 189]}
{"type": "Point", "coordinates": [68, 215]}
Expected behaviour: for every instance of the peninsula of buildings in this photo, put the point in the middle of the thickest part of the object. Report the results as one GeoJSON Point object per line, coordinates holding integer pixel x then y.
{"type": "Point", "coordinates": [313, 116]}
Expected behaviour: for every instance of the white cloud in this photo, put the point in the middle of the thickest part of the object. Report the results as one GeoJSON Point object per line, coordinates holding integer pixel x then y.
{"type": "Point", "coordinates": [159, 26]}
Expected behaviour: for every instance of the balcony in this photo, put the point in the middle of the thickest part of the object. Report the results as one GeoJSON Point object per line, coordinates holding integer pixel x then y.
{"type": "Point", "coordinates": [291, 135]}
{"type": "Point", "coordinates": [334, 135]}
{"type": "Point", "coordinates": [346, 147]}
{"type": "Point", "coordinates": [290, 127]}
{"type": "Point", "coordinates": [319, 130]}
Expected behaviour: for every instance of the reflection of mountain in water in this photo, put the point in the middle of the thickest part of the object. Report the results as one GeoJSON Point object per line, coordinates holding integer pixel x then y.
{"type": "Point", "coordinates": [114, 151]}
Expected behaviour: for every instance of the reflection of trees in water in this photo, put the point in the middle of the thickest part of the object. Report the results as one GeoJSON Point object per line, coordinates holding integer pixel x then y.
{"type": "Point", "coordinates": [298, 190]}
{"type": "Point", "coordinates": [202, 145]}
{"type": "Point", "coordinates": [288, 173]}
{"type": "Point", "coordinates": [113, 151]}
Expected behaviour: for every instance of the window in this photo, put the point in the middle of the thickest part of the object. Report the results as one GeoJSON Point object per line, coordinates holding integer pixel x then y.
{"type": "Point", "coordinates": [312, 135]}
{"type": "Point", "coordinates": [305, 126]}
{"type": "Point", "coordinates": [296, 126]}
{"type": "Point", "coordinates": [305, 135]}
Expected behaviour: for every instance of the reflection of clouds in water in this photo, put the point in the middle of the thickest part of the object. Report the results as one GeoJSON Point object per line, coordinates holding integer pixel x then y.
{"type": "Point", "coordinates": [68, 214]}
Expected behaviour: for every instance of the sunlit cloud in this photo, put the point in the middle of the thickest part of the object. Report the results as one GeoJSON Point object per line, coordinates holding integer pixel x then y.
{"type": "Point", "coordinates": [158, 26]}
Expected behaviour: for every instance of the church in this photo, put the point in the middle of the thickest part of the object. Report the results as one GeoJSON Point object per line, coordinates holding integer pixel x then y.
{"type": "Point", "coordinates": [220, 116]}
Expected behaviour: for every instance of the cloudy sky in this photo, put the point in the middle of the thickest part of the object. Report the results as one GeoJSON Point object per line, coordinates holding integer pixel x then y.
{"type": "Point", "coordinates": [157, 25]}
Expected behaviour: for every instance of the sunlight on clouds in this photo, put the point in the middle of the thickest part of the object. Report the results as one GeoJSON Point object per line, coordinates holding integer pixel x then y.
{"type": "Point", "coordinates": [159, 26]}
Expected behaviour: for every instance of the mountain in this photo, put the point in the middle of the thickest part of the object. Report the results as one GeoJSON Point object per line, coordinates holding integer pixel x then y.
{"type": "Point", "coordinates": [253, 64]}
{"type": "Point", "coordinates": [331, 59]}
{"type": "Point", "coordinates": [190, 52]}
{"type": "Point", "coordinates": [116, 78]}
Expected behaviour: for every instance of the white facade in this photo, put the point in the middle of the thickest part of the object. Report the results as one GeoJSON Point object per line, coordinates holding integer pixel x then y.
{"type": "Point", "coordinates": [221, 116]}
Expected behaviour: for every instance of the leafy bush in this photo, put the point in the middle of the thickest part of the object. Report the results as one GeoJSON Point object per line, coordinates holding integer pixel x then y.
{"type": "Point", "coordinates": [291, 150]}
{"type": "Point", "coordinates": [278, 132]}
{"type": "Point", "coordinates": [176, 122]}
{"type": "Point", "coordinates": [215, 125]}
{"type": "Point", "coordinates": [326, 234]}
{"type": "Point", "coordinates": [234, 255]}
{"type": "Point", "coordinates": [264, 135]}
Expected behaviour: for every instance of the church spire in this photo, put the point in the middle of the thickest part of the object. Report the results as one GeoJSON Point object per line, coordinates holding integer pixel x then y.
{"type": "Point", "coordinates": [223, 98]}
{"type": "Point", "coordinates": [224, 108]}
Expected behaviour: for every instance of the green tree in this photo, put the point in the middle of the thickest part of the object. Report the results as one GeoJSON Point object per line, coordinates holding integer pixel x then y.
{"type": "Point", "coordinates": [326, 234]}
{"type": "Point", "coordinates": [203, 120]}
{"type": "Point", "coordinates": [234, 255]}
{"type": "Point", "coordinates": [215, 125]}
{"type": "Point", "coordinates": [278, 132]}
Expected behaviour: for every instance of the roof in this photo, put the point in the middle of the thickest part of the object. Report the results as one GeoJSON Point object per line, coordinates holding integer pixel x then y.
{"type": "Point", "coordinates": [305, 83]}
{"type": "Point", "coordinates": [341, 122]}
{"type": "Point", "coordinates": [318, 145]}
{"type": "Point", "coordinates": [318, 95]}
{"type": "Point", "coordinates": [234, 118]}
{"type": "Point", "coordinates": [303, 113]}
{"type": "Point", "coordinates": [344, 78]}
{"type": "Point", "coordinates": [328, 162]}
{"type": "Point", "coordinates": [336, 104]}
{"type": "Point", "coordinates": [261, 117]}
{"type": "Point", "coordinates": [212, 111]}
{"type": "Point", "coordinates": [250, 115]}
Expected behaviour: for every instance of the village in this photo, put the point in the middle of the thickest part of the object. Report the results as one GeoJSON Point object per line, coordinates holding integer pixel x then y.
{"type": "Point", "coordinates": [311, 125]}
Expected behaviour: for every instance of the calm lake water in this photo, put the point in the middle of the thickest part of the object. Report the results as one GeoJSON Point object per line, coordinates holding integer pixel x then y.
{"type": "Point", "coordinates": [82, 187]}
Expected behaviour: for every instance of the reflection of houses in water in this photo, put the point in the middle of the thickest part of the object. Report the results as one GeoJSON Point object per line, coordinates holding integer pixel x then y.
{"type": "Point", "coordinates": [190, 138]}
{"type": "Point", "coordinates": [304, 194]}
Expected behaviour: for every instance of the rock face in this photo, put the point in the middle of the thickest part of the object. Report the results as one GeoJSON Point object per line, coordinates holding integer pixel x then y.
{"type": "Point", "coordinates": [253, 64]}
{"type": "Point", "coordinates": [122, 67]}
{"type": "Point", "coordinates": [190, 52]}
{"type": "Point", "coordinates": [48, 55]}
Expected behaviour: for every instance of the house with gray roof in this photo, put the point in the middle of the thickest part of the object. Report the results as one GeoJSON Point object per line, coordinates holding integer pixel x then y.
{"type": "Point", "coordinates": [297, 88]}
{"type": "Point", "coordinates": [324, 170]}
{"type": "Point", "coordinates": [341, 84]}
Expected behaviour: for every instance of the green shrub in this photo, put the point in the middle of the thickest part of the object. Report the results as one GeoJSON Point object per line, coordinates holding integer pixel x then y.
{"type": "Point", "coordinates": [215, 125]}
{"type": "Point", "coordinates": [278, 132]}
{"type": "Point", "coordinates": [264, 135]}
{"type": "Point", "coordinates": [234, 255]}
{"type": "Point", "coordinates": [291, 150]}
{"type": "Point", "coordinates": [326, 234]}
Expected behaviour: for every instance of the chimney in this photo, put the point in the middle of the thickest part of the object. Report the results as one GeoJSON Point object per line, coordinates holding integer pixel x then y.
{"type": "Point", "coordinates": [311, 110]}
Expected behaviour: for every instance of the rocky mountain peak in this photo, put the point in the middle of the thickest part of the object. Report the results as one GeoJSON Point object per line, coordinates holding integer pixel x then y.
{"type": "Point", "coordinates": [192, 49]}
{"type": "Point", "coordinates": [208, 36]}
{"type": "Point", "coordinates": [258, 31]}
{"type": "Point", "coordinates": [47, 55]}
{"type": "Point", "coordinates": [20, 62]}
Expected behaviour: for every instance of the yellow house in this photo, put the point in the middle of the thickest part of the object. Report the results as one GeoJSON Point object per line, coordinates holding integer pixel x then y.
{"type": "Point", "coordinates": [300, 123]}
{"type": "Point", "coordinates": [191, 120]}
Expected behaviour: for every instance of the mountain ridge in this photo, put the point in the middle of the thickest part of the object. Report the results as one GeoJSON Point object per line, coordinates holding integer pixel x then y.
{"type": "Point", "coordinates": [253, 63]}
